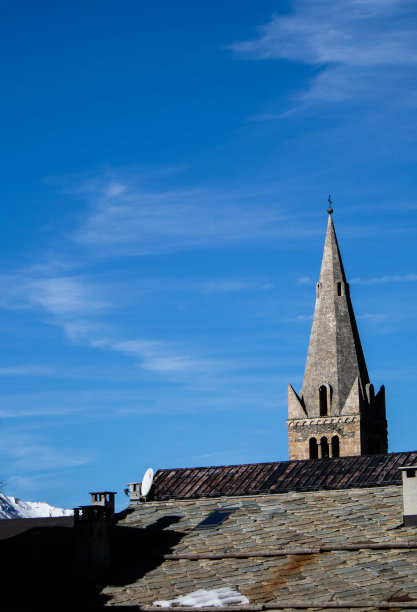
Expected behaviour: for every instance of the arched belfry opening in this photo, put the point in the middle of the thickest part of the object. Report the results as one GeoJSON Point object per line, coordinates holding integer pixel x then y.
{"type": "Point", "coordinates": [324, 447]}
{"type": "Point", "coordinates": [313, 448]}
{"type": "Point", "coordinates": [335, 446]}
{"type": "Point", "coordinates": [323, 400]}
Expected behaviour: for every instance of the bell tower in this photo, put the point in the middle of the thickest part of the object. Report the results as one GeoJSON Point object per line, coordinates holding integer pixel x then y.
{"type": "Point", "coordinates": [336, 412]}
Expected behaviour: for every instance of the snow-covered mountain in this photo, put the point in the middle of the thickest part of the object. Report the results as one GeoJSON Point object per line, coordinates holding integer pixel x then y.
{"type": "Point", "coordinates": [13, 507]}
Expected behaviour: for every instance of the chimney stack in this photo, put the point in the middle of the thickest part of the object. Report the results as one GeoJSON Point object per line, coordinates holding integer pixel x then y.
{"type": "Point", "coordinates": [409, 494]}
{"type": "Point", "coordinates": [103, 498]}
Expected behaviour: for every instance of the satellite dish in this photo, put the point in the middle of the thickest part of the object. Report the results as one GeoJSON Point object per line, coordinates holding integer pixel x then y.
{"type": "Point", "coordinates": [147, 481]}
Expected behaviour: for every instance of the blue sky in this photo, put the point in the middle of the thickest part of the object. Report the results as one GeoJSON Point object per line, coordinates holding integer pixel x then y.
{"type": "Point", "coordinates": [166, 168]}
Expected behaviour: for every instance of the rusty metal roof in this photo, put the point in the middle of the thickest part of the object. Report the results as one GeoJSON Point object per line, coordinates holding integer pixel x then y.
{"type": "Point", "coordinates": [281, 476]}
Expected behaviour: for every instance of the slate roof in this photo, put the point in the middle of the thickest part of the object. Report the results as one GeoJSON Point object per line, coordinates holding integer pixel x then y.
{"type": "Point", "coordinates": [298, 549]}
{"type": "Point", "coordinates": [282, 476]}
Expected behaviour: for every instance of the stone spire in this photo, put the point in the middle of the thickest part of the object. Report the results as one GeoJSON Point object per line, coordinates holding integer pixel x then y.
{"type": "Point", "coordinates": [336, 391]}
{"type": "Point", "coordinates": [335, 355]}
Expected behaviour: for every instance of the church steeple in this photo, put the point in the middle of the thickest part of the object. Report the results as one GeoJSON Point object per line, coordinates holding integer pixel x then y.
{"type": "Point", "coordinates": [335, 357]}
{"type": "Point", "coordinates": [336, 411]}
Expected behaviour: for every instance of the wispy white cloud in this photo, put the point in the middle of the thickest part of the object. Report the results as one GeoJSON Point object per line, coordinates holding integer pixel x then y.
{"type": "Point", "coordinates": [373, 316]}
{"type": "Point", "coordinates": [41, 457]}
{"type": "Point", "coordinates": [228, 285]}
{"type": "Point", "coordinates": [140, 223]}
{"type": "Point", "coordinates": [59, 295]}
{"type": "Point", "coordinates": [156, 357]}
{"type": "Point", "coordinates": [14, 294]}
{"type": "Point", "coordinates": [27, 370]}
{"type": "Point", "coordinates": [304, 280]}
{"type": "Point", "coordinates": [359, 46]}
{"type": "Point", "coordinates": [33, 482]}
{"type": "Point", "coordinates": [206, 286]}
{"type": "Point", "coordinates": [136, 220]}
{"type": "Point", "coordinates": [218, 455]}
{"type": "Point", "coordinates": [91, 372]}
{"type": "Point", "coordinates": [215, 285]}
{"type": "Point", "coordinates": [17, 412]}
{"type": "Point", "coordinates": [64, 295]}
{"type": "Point", "coordinates": [166, 359]}
{"type": "Point", "coordinates": [173, 363]}
{"type": "Point", "coordinates": [395, 278]}
{"type": "Point", "coordinates": [355, 33]}
{"type": "Point", "coordinates": [299, 318]}
{"type": "Point", "coordinates": [73, 305]}
{"type": "Point", "coordinates": [76, 306]}
{"type": "Point", "coordinates": [23, 452]}
{"type": "Point", "coordinates": [60, 403]}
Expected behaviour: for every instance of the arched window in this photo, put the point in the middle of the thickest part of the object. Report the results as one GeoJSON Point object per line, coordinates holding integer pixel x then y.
{"type": "Point", "coordinates": [335, 446]}
{"type": "Point", "coordinates": [318, 290]}
{"type": "Point", "coordinates": [339, 288]}
{"type": "Point", "coordinates": [314, 450]}
{"type": "Point", "coordinates": [324, 447]}
{"type": "Point", "coordinates": [323, 400]}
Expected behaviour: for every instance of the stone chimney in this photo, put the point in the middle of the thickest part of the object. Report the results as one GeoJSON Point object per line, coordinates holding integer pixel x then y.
{"type": "Point", "coordinates": [103, 498]}
{"type": "Point", "coordinates": [410, 494]}
{"type": "Point", "coordinates": [134, 491]}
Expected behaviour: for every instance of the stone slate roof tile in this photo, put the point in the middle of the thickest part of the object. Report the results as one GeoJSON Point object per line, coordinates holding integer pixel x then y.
{"type": "Point", "coordinates": [282, 476]}
{"type": "Point", "coordinates": [271, 523]}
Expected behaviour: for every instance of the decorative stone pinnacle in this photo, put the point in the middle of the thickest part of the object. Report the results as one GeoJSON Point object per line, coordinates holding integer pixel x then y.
{"type": "Point", "coordinates": [330, 209]}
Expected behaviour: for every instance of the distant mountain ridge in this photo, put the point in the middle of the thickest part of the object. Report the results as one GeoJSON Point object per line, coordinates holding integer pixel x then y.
{"type": "Point", "coordinates": [13, 507]}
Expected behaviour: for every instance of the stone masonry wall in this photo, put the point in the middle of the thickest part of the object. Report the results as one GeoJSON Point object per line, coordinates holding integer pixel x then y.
{"type": "Point", "coordinates": [348, 430]}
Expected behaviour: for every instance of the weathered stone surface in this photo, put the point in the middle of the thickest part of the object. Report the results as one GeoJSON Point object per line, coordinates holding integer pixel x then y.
{"type": "Point", "coordinates": [296, 520]}
{"type": "Point", "coordinates": [336, 382]}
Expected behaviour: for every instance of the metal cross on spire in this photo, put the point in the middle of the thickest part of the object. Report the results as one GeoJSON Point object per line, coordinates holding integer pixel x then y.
{"type": "Point", "coordinates": [330, 209]}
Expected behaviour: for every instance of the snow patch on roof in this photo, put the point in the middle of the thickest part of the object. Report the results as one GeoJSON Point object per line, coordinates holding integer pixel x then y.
{"type": "Point", "coordinates": [216, 597]}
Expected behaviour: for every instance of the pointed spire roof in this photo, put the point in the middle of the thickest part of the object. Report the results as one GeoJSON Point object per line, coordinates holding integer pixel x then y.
{"type": "Point", "coordinates": [335, 355]}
